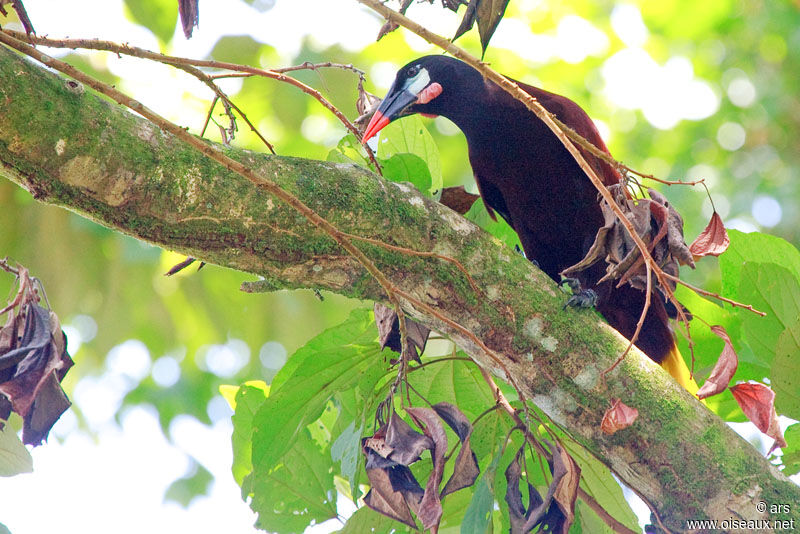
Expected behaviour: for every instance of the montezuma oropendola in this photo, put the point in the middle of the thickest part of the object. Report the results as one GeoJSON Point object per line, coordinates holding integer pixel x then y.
{"type": "Point", "coordinates": [526, 175]}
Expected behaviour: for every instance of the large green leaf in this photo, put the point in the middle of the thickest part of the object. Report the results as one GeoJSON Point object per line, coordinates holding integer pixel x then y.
{"type": "Point", "coordinates": [498, 228]}
{"type": "Point", "coordinates": [297, 491]}
{"type": "Point", "coordinates": [791, 453]}
{"type": "Point", "coordinates": [754, 247]}
{"type": "Point", "coordinates": [774, 290]}
{"type": "Point", "coordinates": [159, 16]}
{"type": "Point", "coordinates": [249, 398]}
{"type": "Point", "coordinates": [340, 358]}
{"type": "Point", "coordinates": [409, 136]}
{"type": "Point", "coordinates": [478, 517]}
{"type": "Point", "coordinates": [408, 168]}
{"type": "Point", "coordinates": [597, 481]}
{"type": "Point", "coordinates": [785, 373]}
{"type": "Point", "coordinates": [14, 457]}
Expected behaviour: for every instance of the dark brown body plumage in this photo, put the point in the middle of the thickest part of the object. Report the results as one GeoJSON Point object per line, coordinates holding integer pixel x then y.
{"type": "Point", "coordinates": [525, 174]}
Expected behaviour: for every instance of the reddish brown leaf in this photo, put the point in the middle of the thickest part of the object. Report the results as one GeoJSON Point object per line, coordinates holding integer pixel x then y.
{"type": "Point", "coordinates": [712, 241]}
{"type": "Point", "coordinates": [567, 489]}
{"type": "Point", "coordinates": [757, 401]}
{"type": "Point", "coordinates": [723, 370]}
{"type": "Point", "coordinates": [430, 508]}
{"type": "Point", "coordinates": [619, 416]}
{"type": "Point", "coordinates": [457, 199]}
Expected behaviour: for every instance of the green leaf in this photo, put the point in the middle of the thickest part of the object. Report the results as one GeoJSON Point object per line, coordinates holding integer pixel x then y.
{"type": "Point", "coordinates": [774, 290]}
{"type": "Point", "coordinates": [409, 136]}
{"type": "Point", "coordinates": [186, 488]}
{"type": "Point", "coordinates": [785, 375]}
{"type": "Point", "coordinates": [364, 521]}
{"type": "Point", "coordinates": [345, 451]}
{"type": "Point", "coordinates": [478, 517]}
{"type": "Point", "coordinates": [408, 168]}
{"type": "Point", "coordinates": [489, 14]}
{"type": "Point", "coordinates": [14, 457]}
{"type": "Point", "coordinates": [791, 453]}
{"type": "Point", "coordinates": [336, 360]}
{"type": "Point", "coordinates": [297, 492]}
{"type": "Point", "coordinates": [249, 399]}
{"type": "Point", "coordinates": [241, 49]}
{"type": "Point", "coordinates": [597, 481]}
{"type": "Point", "coordinates": [499, 228]}
{"type": "Point", "coordinates": [757, 248]}
{"type": "Point", "coordinates": [159, 16]}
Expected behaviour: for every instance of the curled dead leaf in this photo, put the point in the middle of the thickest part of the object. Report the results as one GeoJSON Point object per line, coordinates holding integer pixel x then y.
{"type": "Point", "coordinates": [723, 370]}
{"type": "Point", "coordinates": [712, 241]}
{"type": "Point", "coordinates": [757, 401]}
{"type": "Point", "coordinates": [389, 332]}
{"type": "Point", "coordinates": [430, 507]}
{"type": "Point", "coordinates": [465, 470]}
{"type": "Point", "coordinates": [619, 416]}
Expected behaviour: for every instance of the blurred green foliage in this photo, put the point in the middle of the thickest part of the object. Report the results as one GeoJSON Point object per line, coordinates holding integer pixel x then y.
{"type": "Point", "coordinates": [89, 271]}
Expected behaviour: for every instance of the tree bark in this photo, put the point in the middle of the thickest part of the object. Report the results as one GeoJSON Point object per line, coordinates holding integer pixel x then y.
{"type": "Point", "coordinates": [71, 148]}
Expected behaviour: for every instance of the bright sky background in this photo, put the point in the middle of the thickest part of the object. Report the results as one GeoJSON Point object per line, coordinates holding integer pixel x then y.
{"type": "Point", "coordinates": [115, 479]}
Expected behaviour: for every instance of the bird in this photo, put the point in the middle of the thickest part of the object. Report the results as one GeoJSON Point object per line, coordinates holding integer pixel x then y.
{"type": "Point", "coordinates": [526, 175]}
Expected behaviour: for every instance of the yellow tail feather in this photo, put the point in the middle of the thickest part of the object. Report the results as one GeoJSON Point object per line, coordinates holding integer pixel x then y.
{"type": "Point", "coordinates": [675, 366]}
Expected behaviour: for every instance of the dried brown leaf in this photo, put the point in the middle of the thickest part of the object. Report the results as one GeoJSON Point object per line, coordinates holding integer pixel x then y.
{"type": "Point", "coordinates": [457, 199]}
{"type": "Point", "coordinates": [406, 443]}
{"type": "Point", "coordinates": [385, 500]}
{"type": "Point", "coordinates": [190, 16]}
{"type": "Point", "coordinates": [465, 470]}
{"type": "Point", "coordinates": [566, 492]}
{"type": "Point", "coordinates": [619, 416]}
{"type": "Point", "coordinates": [430, 507]}
{"type": "Point", "coordinates": [723, 370]}
{"type": "Point", "coordinates": [517, 513]}
{"type": "Point", "coordinates": [757, 401]}
{"type": "Point", "coordinates": [490, 12]}
{"type": "Point", "coordinates": [712, 241]}
{"type": "Point", "coordinates": [389, 332]}
{"type": "Point", "coordinates": [468, 20]}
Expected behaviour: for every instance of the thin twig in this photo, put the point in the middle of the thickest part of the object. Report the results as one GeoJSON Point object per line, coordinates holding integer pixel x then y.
{"type": "Point", "coordinates": [109, 46]}
{"type": "Point", "coordinates": [715, 295]}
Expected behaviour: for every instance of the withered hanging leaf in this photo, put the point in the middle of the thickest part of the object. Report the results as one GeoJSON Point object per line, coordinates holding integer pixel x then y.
{"type": "Point", "coordinates": [389, 332]}
{"type": "Point", "coordinates": [656, 223]}
{"type": "Point", "coordinates": [31, 372]}
{"type": "Point", "coordinates": [490, 12]}
{"type": "Point", "coordinates": [517, 513]}
{"type": "Point", "coordinates": [757, 401]}
{"type": "Point", "coordinates": [619, 416]}
{"type": "Point", "coordinates": [469, 19]}
{"type": "Point", "coordinates": [385, 500]}
{"type": "Point", "coordinates": [566, 492]}
{"type": "Point", "coordinates": [190, 16]}
{"type": "Point", "coordinates": [390, 26]}
{"type": "Point", "coordinates": [723, 370]}
{"type": "Point", "coordinates": [407, 444]}
{"type": "Point", "coordinates": [453, 5]}
{"type": "Point", "coordinates": [430, 507]}
{"type": "Point", "coordinates": [465, 470]}
{"type": "Point", "coordinates": [457, 199]}
{"type": "Point", "coordinates": [712, 241]}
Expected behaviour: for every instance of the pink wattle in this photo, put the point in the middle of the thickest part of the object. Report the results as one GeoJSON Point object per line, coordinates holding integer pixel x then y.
{"type": "Point", "coordinates": [429, 93]}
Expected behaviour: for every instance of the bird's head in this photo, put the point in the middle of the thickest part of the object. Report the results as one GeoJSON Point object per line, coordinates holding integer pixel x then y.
{"type": "Point", "coordinates": [416, 89]}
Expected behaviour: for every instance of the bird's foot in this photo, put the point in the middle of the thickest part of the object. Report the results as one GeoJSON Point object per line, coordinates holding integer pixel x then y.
{"type": "Point", "coordinates": [581, 298]}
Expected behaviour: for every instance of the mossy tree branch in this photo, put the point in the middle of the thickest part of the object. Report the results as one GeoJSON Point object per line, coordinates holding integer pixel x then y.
{"type": "Point", "coordinates": [70, 148]}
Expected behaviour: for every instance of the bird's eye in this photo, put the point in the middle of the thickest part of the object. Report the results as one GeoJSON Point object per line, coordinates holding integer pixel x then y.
{"type": "Point", "coordinates": [412, 71]}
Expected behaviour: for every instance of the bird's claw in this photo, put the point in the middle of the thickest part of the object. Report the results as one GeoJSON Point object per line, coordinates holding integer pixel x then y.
{"type": "Point", "coordinates": [581, 298]}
